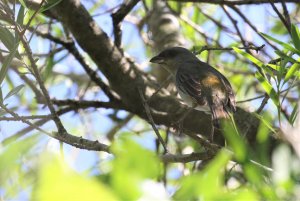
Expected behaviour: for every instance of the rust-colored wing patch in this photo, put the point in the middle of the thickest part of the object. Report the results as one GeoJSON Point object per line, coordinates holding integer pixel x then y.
{"type": "Point", "coordinates": [211, 81]}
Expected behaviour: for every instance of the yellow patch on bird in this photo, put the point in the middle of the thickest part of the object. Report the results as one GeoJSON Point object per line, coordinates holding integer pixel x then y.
{"type": "Point", "coordinates": [211, 80]}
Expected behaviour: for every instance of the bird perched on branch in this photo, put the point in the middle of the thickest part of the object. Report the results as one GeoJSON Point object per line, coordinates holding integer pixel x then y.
{"type": "Point", "coordinates": [200, 86]}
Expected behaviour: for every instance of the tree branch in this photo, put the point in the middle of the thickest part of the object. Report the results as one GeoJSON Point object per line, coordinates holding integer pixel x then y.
{"type": "Point", "coordinates": [184, 158]}
{"type": "Point", "coordinates": [236, 2]}
{"type": "Point", "coordinates": [118, 17]}
{"type": "Point", "coordinates": [285, 21]}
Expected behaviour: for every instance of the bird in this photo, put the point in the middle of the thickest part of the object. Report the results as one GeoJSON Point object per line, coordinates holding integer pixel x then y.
{"type": "Point", "coordinates": [200, 86]}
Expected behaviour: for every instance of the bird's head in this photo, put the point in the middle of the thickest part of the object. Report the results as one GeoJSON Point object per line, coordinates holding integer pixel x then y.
{"type": "Point", "coordinates": [173, 57]}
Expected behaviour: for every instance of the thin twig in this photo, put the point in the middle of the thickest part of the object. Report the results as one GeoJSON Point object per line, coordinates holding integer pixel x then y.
{"type": "Point", "coordinates": [286, 14]}
{"type": "Point", "coordinates": [285, 23]}
{"type": "Point", "coordinates": [261, 96]}
{"type": "Point", "coordinates": [19, 118]}
{"type": "Point", "coordinates": [148, 112]}
{"type": "Point", "coordinates": [31, 18]}
{"type": "Point", "coordinates": [252, 26]}
{"type": "Point", "coordinates": [75, 141]}
{"type": "Point", "coordinates": [234, 22]}
{"type": "Point", "coordinates": [263, 103]}
{"type": "Point", "coordinates": [251, 47]}
{"type": "Point", "coordinates": [235, 2]}
{"type": "Point", "coordinates": [118, 17]}
{"type": "Point", "coordinates": [110, 135]}
{"type": "Point", "coordinates": [70, 46]}
{"type": "Point", "coordinates": [25, 117]}
{"type": "Point", "coordinates": [36, 72]}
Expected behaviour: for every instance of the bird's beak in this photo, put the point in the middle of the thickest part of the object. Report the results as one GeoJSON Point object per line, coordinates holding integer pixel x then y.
{"type": "Point", "coordinates": [157, 60]}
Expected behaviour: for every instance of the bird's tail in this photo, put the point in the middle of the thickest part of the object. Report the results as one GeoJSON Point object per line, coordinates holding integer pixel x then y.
{"type": "Point", "coordinates": [218, 113]}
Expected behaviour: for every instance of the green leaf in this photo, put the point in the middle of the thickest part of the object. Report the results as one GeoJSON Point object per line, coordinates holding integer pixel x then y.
{"type": "Point", "coordinates": [133, 165]}
{"type": "Point", "coordinates": [7, 38]}
{"type": "Point", "coordinates": [283, 44]}
{"type": "Point", "coordinates": [11, 156]}
{"type": "Point", "coordinates": [56, 181]}
{"type": "Point", "coordinates": [6, 63]}
{"type": "Point", "coordinates": [23, 3]}
{"type": "Point", "coordinates": [21, 15]}
{"type": "Point", "coordinates": [268, 88]}
{"type": "Point", "coordinates": [1, 95]}
{"type": "Point", "coordinates": [14, 91]}
{"type": "Point", "coordinates": [253, 173]}
{"type": "Point", "coordinates": [207, 184]}
{"type": "Point", "coordinates": [274, 66]}
{"type": "Point", "coordinates": [294, 114]}
{"type": "Point", "coordinates": [296, 36]}
{"type": "Point", "coordinates": [277, 28]}
{"type": "Point", "coordinates": [235, 141]}
{"type": "Point", "coordinates": [291, 72]}
{"type": "Point", "coordinates": [49, 5]}
{"type": "Point", "coordinates": [265, 122]}
{"type": "Point", "coordinates": [286, 57]}
{"type": "Point", "coordinates": [250, 57]}
{"type": "Point", "coordinates": [263, 129]}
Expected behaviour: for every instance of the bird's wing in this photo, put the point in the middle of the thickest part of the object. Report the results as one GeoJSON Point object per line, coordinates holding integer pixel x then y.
{"type": "Point", "coordinates": [190, 85]}
{"type": "Point", "coordinates": [231, 104]}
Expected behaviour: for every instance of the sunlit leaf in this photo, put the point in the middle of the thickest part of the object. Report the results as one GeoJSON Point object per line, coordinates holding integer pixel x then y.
{"type": "Point", "coordinates": [263, 130]}
{"type": "Point", "coordinates": [250, 57]}
{"type": "Point", "coordinates": [208, 183]}
{"type": "Point", "coordinates": [243, 193]}
{"type": "Point", "coordinates": [133, 165]}
{"type": "Point", "coordinates": [283, 44]}
{"type": "Point", "coordinates": [23, 3]}
{"type": "Point", "coordinates": [265, 122]}
{"type": "Point", "coordinates": [274, 66]}
{"type": "Point", "coordinates": [294, 114]}
{"type": "Point", "coordinates": [268, 88]}
{"type": "Point", "coordinates": [253, 173]}
{"type": "Point", "coordinates": [291, 72]}
{"type": "Point", "coordinates": [235, 141]}
{"type": "Point", "coordinates": [56, 181]}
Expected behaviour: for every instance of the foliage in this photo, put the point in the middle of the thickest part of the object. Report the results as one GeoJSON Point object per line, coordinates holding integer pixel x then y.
{"type": "Point", "coordinates": [134, 167]}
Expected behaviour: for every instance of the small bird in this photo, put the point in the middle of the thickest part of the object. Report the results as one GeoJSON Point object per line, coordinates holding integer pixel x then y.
{"type": "Point", "coordinates": [200, 86]}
